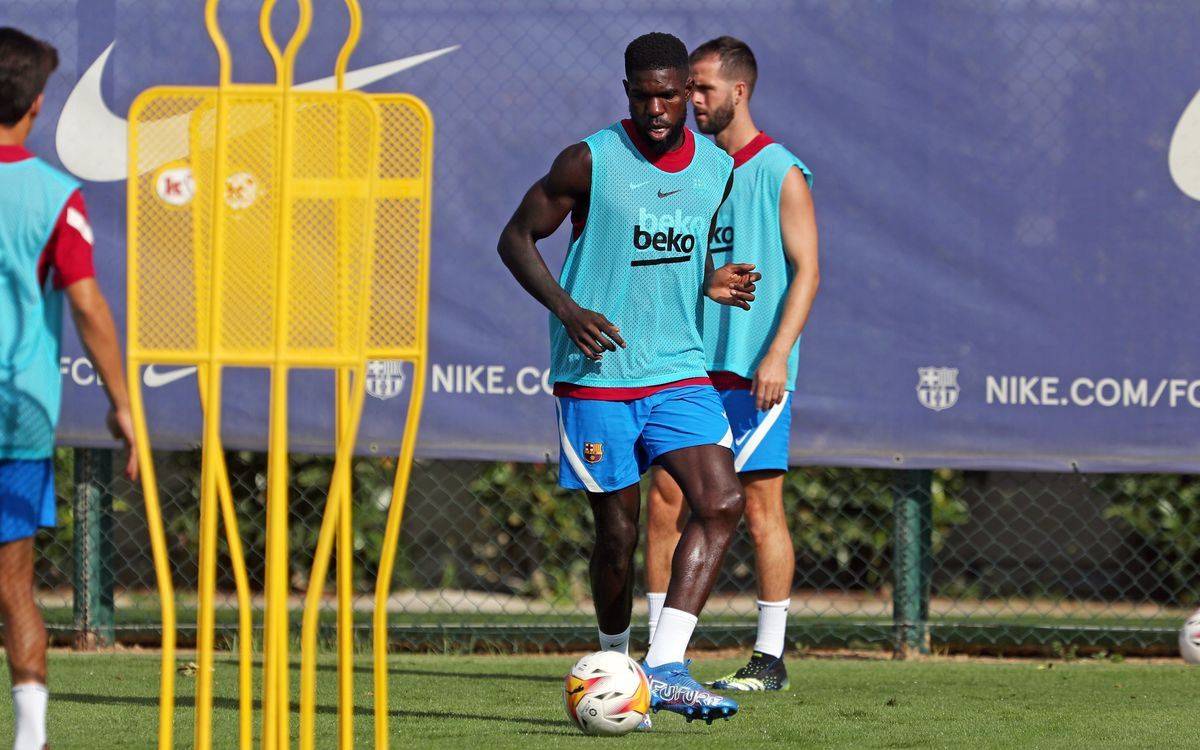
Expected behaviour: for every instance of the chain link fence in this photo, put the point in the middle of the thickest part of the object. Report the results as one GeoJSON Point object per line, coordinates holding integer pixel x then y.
{"type": "Point", "coordinates": [494, 555]}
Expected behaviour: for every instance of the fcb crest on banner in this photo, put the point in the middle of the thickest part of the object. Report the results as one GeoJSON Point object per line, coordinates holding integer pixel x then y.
{"type": "Point", "coordinates": [593, 452]}
{"type": "Point", "coordinates": [385, 379]}
{"type": "Point", "coordinates": [937, 387]}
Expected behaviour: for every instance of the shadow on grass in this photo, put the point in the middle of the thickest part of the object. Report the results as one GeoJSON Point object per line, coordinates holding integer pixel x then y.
{"type": "Point", "coordinates": [366, 669]}
{"type": "Point", "coordinates": [490, 676]}
{"type": "Point", "coordinates": [232, 705]}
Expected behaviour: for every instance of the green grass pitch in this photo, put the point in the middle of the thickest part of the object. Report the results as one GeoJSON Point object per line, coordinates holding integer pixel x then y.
{"type": "Point", "coordinates": [109, 700]}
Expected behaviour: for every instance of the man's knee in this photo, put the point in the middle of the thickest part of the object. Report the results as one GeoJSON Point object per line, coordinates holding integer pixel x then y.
{"type": "Point", "coordinates": [664, 496]}
{"type": "Point", "coordinates": [765, 517]}
{"type": "Point", "coordinates": [721, 504]}
{"type": "Point", "coordinates": [15, 594]}
{"type": "Point", "coordinates": [664, 519]}
{"type": "Point", "coordinates": [617, 542]}
{"type": "Point", "coordinates": [17, 612]}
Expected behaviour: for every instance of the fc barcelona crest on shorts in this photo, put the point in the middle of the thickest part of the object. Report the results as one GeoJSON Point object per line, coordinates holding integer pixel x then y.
{"type": "Point", "coordinates": [593, 452]}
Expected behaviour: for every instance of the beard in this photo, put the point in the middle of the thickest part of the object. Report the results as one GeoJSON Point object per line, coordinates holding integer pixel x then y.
{"type": "Point", "coordinates": [718, 119]}
{"type": "Point", "coordinates": [659, 147]}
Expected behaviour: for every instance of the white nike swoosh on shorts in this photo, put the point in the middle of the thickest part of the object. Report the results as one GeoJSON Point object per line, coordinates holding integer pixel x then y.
{"type": "Point", "coordinates": [756, 437]}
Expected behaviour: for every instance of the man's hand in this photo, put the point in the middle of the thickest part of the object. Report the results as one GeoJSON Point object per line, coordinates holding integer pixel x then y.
{"type": "Point", "coordinates": [770, 381]}
{"type": "Point", "coordinates": [732, 284]}
{"type": "Point", "coordinates": [120, 424]}
{"type": "Point", "coordinates": [592, 332]}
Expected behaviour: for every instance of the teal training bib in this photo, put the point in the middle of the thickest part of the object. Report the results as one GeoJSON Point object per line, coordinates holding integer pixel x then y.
{"type": "Point", "coordinates": [639, 260]}
{"type": "Point", "coordinates": [32, 195]}
{"type": "Point", "coordinates": [736, 340]}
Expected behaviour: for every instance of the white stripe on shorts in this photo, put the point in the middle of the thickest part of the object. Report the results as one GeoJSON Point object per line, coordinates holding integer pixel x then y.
{"type": "Point", "coordinates": [759, 433]}
{"type": "Point", "coordinates": [572, 457]}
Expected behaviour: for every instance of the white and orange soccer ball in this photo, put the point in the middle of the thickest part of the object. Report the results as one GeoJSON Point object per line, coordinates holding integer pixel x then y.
{"type": "Point", "coordinates": [1189, 639]}
{"type": "Point", "coordinates": [606, 693]}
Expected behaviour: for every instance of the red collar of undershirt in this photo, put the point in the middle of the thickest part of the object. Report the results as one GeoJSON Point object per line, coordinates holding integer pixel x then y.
{"type": "Point", "coordinates": [748, 152]}
{"type": "Point", "coordinates": [14, 153]}
{"type": "Point", "coordinates": [672, 161]}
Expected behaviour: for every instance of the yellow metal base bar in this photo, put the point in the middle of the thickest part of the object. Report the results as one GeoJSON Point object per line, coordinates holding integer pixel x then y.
{"type": "Point", "coordinates": [237, 561]}
{"type": "Point", "coordinates": [162, 568]}
{"type": "Point", "coordinates": [276, 697]}
{"type": "Point", "coordinates": [338, 492]}
{"type": "Point", "coordinates": [207, 583]}
{"type": "Point", "coordinates": [345, 587]}
{"type": "Point", "coordinates": [391, 539]}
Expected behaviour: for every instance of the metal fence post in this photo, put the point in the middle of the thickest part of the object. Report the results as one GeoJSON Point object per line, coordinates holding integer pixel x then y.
{"type": "Point", "coordinates": [93, 548]}
{"type": "Point", "coordinates": [913, 559]}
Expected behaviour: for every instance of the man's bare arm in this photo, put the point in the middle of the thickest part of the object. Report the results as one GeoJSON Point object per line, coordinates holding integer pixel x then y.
{"type": "Point", "coordinates": [98, 334]}
{"type": "Point", "coordinates": [712, 226]}
{"type": "Point", "coordinates": [542, 210]}
{"type": "Point", "coordinates": [798, 227]}
{"type": "Point", "coordinates": [733, 283]}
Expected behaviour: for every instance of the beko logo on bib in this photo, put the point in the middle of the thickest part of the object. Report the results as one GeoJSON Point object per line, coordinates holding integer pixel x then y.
{"type": "Point", "coordinates": [666, 233]}
{"type": "Point", "coordinates": [722, 240]}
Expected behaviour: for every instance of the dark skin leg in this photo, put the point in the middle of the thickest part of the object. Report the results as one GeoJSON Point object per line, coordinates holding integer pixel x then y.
{"type": "Point", "coordinates": [716, 500]}
{"type": "Point", "coordinates": [611, 568]}
{"type": "Point", "coordinates": [24, 631]}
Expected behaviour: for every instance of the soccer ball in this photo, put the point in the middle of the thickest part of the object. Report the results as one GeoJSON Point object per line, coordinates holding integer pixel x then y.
{"type": "Point", "coordinates": [1189, 639]}
{"type": "Point", "coordinates": [606, 693]}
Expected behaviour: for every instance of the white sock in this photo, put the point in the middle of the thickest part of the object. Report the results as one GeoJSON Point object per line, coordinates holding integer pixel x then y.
{"type": "Point", "coordinates": [772, 627]}
{"type": "Point", "coordinates": [654, 603]}
{"type": "Point", "coordinates": [29, 712]}
{"type": "Point", "coordinates": [671, 637]}
{"type": "Point", "coordinates": [618, 642]}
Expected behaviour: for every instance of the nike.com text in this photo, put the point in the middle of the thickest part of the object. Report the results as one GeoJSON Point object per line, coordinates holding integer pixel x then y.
{"type": "Point", "coordinates": [1048, 390]}
{"type": "Point", "coordinates": [490, 379]}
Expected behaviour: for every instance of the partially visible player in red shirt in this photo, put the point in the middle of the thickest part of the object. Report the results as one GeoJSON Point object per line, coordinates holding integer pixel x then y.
{"type": "Point", "coordinates": [44, 233]}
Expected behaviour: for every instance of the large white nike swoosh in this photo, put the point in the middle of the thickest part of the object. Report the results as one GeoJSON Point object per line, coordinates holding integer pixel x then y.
{"type": "Point", "coordinates": [1183, 156]}
{"type": "Point", "coordinates": [157, 378]}
{"type": "Point", "coordinates": [92, 142]}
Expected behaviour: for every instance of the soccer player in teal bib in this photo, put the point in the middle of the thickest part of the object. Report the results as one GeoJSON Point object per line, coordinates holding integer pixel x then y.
{"type": "Point", "coordinates": [627, 353]}
{"type": "Point", "coordinates": [768, 219]}
{"type": "Point", "coordinates": [45, 254]}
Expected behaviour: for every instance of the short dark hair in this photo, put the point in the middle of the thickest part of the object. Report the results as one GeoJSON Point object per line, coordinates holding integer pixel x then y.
{"type": "Point", "coordinates": [25, 66]}
{"type": "Point", "coordinates": [737, 61]}
{"type": "Point", "coordinates": [655, 51]}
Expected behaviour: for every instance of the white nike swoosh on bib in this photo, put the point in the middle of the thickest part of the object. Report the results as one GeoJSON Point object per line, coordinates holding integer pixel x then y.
{"type": "Point", "coordinates": [93, 143]}
{"type": "Point", "coordinates": [1183, 155]}
{"type": "Point", "coordinates": [157, 379]}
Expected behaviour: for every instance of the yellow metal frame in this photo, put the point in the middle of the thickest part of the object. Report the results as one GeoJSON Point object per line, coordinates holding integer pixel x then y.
{"type": "Point", "coordinates": [353, 345]}
{"type": "Point", "coordinates": [417, 354]}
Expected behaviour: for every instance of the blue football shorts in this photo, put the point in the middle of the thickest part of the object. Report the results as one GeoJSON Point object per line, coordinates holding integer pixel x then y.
{"type": "Point", "coordinates": [26, 498]}
{"type": "Point", "coordinates": [760, 438]}
{"type": "Point", "coordinates": [605, 446]}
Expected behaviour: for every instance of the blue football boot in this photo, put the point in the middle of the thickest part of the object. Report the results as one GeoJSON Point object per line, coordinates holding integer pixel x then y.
{"type": "Point", "coordinates": [672, 688]}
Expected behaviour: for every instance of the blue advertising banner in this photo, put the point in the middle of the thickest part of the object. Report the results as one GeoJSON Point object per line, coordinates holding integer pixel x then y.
{"type": "Point", "coordinates": [1007, 195]}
